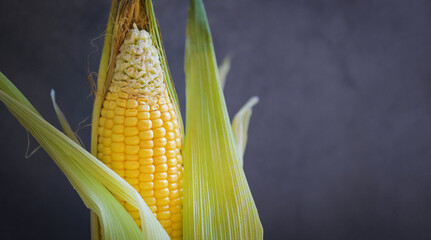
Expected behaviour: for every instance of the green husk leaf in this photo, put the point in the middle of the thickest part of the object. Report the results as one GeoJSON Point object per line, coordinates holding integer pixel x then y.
{"type": "Point", "coordinates": [224, 70]}
{"type": "Point", "coordinates": [240, 125]}
{"type": "Point", "coordinates": [63, 120]}
{"type": "Point", "coordinates": [95, 183]}
{"type": "Point", "coordinates": [98, 100]}
{"type": "Point", "coordinates": [9, 88]}
{"type": "Point", "coordinates": [217, 200]}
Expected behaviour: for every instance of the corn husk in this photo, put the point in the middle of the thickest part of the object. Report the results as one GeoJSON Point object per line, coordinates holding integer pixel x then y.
{"type": "Point", "coordinates": [240, 125]}
{"type": "Point", "coordinates": [98, 186]}
{"type": "Point", "coordinates": [224, 69]}
{"type": "Point", "coordinates": [217, 200]}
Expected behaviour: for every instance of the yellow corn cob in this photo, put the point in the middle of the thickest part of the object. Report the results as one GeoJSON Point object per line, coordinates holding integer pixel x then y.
{"type": "Point", "coordinates": [139, 133]}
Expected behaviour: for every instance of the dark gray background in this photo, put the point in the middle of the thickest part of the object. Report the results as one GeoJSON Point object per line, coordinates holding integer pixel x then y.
{"type": "Point", "coordinates": [339, 145]}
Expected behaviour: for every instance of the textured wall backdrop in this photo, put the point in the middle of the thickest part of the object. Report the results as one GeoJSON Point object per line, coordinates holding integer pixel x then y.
{"type": "Point", "coordinates": [339, 146]}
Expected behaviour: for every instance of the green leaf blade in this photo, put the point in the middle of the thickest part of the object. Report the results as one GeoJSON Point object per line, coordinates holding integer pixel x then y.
{"type": "Point", "coordinates": [217, 200]}
{"type": "Point", "coordinates": [240, 125]}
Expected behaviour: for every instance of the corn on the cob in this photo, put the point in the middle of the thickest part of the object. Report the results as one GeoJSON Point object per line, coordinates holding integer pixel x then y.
{"type": "Point", "coordinates": [139, 132]}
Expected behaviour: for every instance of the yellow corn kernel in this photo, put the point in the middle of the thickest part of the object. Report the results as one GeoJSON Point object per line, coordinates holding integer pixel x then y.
{"type": "Point", "coordinates": [118, 129]}
{"type": "Point", "coordinates": [145, 153]}
{"type": "Point", "coordinates": [106, 159]}
{"type": "Point", "coordinates": [147, 193]}
{"type": "Point", "coordinates": [146, 177]}
{"type": "Point", "coordinates": [153, 208]}
{"type": "Point", "coordinates": [107, 133]}
{"type": "Point", "coordinates": [163, 201]}
{"type": "Point", "coordinates": [163, 208]}
{"type": "Point", "coordinates": [161, 193]}
{"type": "Point", "coordinates": [146, 135]}
{"type": "Point", "coordinates": [117, 165]}
{"type": "Point", "coordinates": [109, 113]}
{"type": "Point", "coordinates": [171, 145]}
{"type": "Point", "coordinates": [143, 115]}
{"type": "Point", "coordinates": [160, 184]}
{"type": "Point", "coordinates": [119, 111]}
{"type": "Point", "coordinates": [169, 126]}
{"type": "Point", "coordinates": [118, 157]}
{"type": "Point", "coordinates": [131, 165]}
{"type": "Point", "coordinates": [132, 158]}
{"type": "Point", "coordinates": [133, 140]}
{"type": "Point", "coordinates": [123, 95]}
{"type": "Point", "coordinates": [117, 138]}
{"type": "Point", "coordinates": [159, 168]}
{"type": "Point", "coordinates": [146, 144]}
{"type": "Point", "coordinates": [160, 176]}
{"type": "Point", "coordinates": [160, 142]}
{"type": "Point", "coordinates": [176, 217]}
{"type": "Point", "coordinates": [131, 131]}
{"type": "Point", "coordinates": [131, 112]}
{"type": "Point", "coordinates": [172, 162]}
{"type": "Point", "coordinates": [175, 209]}
{"type": "Point", "coordinates": [157, 122]}
{"type": "Point", "coordinates": [143, 108]}
{"type": "Point", "coordinates": [134, 214]}
{"type": "Point", "coordinates": [166, 116]}
{"type": "Point", "coordinates": [145, 161]}
{"type": "Point", "coordinates": [177, 233]}
{"type": "Point", "coordinates": [130, 121]}
{"type": "Point", "coordinates": [132, 103]}
{"type": "Point", "coordinates": [132, 149]}
{"type": "Point", "coordinates": [146, 185]}
{"type": "Point", "coordinates": [176, 202]}
{"type": "Point", "coordinates": [163, 107]}
{"type": "Point", "coordinates": [129, 207]}
{"type": "Point", "coordinates": [171, 153]}
{"type": "Point", "coordinates": [159, 151]}
{"type": "Point", "coordinates": [121, 102]}
{"type": "Point", "coordinates": [118, 119]}
{"type": "Point", "coordinates": [144, 124]}
{"type": "Point", "coordinates": [159, 132]}
{"type": "Point", "coordinates": [132, 173]}
{"type": "Point", "coordinates": [164, 215]}
{"type": "Point", "coordinates": [120, 172]}
{"type": "Point", "coordinates": [173, 186]}
{"type": "Point", "coordinates": [170, 135]}
{"type": "Point", "coordinates": [147, 169]}
{"type": "Point", "coordinates": [133, 181]}
{"type": "Point", "coordinates": [173, 178]}
{"type": "Point", "coordinates": [174, 194]}
{"type": "Point", "coordinates": [159, 159]}
{"type": "Point", "coordinates": [165, 222]}
{"type": "Point", "coordinates": [117, 147]}
{"type": "Point", "coordinates": [177, 225]}
{"type": "Point", "coordinates": [138, 222]}
{"type": "Point", "coordinates": [155, 114]}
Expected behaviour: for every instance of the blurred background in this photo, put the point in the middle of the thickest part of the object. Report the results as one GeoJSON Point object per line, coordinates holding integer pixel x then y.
{"type": "Point", "coordinates": [339, 145]}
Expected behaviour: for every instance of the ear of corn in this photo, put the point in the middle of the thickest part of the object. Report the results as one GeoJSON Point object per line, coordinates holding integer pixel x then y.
{"type": "Point", "coordinates": [217, 200]}
{"type": "Point", "coordinates": [137, 128]}
{"type": "Point", "coordinates": [98, 186]}
{"type": "Point", "coordinates": [139, 132]}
